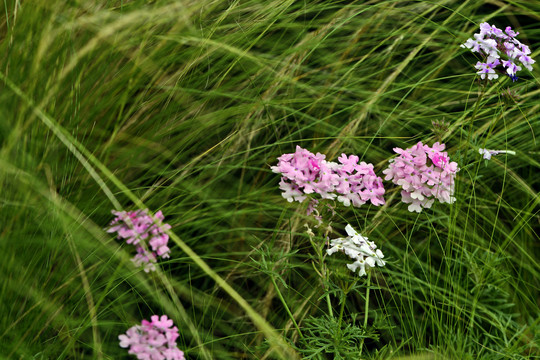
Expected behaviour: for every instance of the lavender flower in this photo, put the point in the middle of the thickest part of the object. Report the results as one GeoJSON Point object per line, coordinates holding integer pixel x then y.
{"type": "Point", "coordinates": [491, 43]}
{"type": "Point", "coordinates": [137, 227]}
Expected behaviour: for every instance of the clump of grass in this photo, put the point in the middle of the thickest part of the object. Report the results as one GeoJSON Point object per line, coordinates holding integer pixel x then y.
{"type": "Point", "coordinates": [183, 106]}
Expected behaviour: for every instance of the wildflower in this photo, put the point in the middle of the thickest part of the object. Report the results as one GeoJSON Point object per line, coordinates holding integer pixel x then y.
{"type": "Point", "coordinates": [424, 173]}
{"type": "Point", "coordinates": [492, 43]}
{"type": "Point", "coordinates": [489, 153]}
{"type": "Point", "coordinates": [359, 248]}
{"type": "Point", "coordinates": [487, 69]}
{"type": "Point", "coordinates": [357, 182]}
{"type": "Point", "coordinates": [149, 238]}
{"type": "Point", "coordinates": [153, 340]}
{"type": "Point", "coordinates": [304, 173]}
{"type": "Point", "coordinates": [312, 206]}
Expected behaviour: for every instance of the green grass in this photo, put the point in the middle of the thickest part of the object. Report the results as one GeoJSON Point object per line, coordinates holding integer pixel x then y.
{"type": "Point", "coordinates": [183, 106]}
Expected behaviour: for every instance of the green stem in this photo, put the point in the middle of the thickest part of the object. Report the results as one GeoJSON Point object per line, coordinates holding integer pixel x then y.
{"type": "Point", "coordinates": [366, 311]}
{"type": "Point", "coordinates": [325, 275]}
{"type": "Point", "coordinates": [330, 312]}
{"type": "Point", "coordinates": [343, 300]}
{"type": "Point", "coordinates": [286, 307]}
{"type": "Point", "coordinates": [323, 272]}
{"type": "Point", "coordinates": [367, 299]}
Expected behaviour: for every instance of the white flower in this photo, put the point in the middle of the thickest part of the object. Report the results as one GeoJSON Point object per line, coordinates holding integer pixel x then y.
{"type": "Point", "coordinates": [486, 153]}
{"type": "Point", "coordinates": [489, 153]}
{"type": "Point", "coordinates": [355, 236]}
{"type": "Point", "coordinates": [358, 248]}
{"type": "Point", "coordinates": [290, 192]}
{"type": "Point", "coordinates": [378, 258]}
{"type": "Point", "coordinates": [361, 264]}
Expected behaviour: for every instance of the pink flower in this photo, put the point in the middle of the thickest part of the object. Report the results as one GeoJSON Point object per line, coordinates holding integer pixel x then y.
{"type": "Point", "coordinates": [153, 340]}
{"type": "Point", "coordinates": [304, 173]}
{"type": "Point", "coordinates": [311, 206]}
{"type": "Point", "coordinates": [440, 160]}
{"type": "Point", "coordinates": [424, 173]}
{"type": "Point", "coordinates": [348, 163]}
{"type": "Point", "coordinates": [149, 238]}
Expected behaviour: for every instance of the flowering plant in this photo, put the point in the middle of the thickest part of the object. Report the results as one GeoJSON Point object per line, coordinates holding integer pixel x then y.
{"type": "Point", "coordinates": [348, 181]}
{"type": "Point", "coordinates": [425, 173]}
{"type": "Point", "coordinates": [487, 154]}
{"type": "Point", "coordinates": [138, 226]}
{"type": "Point", "coordinates": [358, 248]}
{"type": "Point", "coordinates": [491, 43]}
{"type": "Point", "coordinates": [153, 340]}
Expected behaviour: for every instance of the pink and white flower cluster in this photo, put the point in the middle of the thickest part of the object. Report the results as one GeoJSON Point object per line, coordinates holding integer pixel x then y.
{"type": "Point", "coordinates": [359, 248]}
{"type": "Point", "coordinates": [348, 181]}
{"type": "Point", "coordinates": [425, 174]}
{"type": "Point", "coordinates": [138, 228]}
{"type": "Point", "coordinates": [153, 340]}
{"type": "Point", "coordinates": [491, 43]}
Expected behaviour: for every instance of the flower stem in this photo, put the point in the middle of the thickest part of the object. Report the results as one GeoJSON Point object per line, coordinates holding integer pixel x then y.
{"type": "Point", "coordinates": [343, 300]}
{"type": "Point", "coordinates": [323, 273]}
{"type": "Point", "coordinates": [286, 307]}
{"type": "Point", "coordinates": [330, 312]}
{"type": "Point", "coordinates": [366, 311]}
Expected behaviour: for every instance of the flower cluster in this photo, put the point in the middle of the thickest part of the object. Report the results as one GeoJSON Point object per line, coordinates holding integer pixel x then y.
{"type": "Point", "coordinates": [349, 181]}
{"type": "Point", "coordinates": [425, 174]}
{"type": "Point", "coordinates": [491, 43]}
{"type": "Point", "coordinates": [149, 238]}
{"type": "Point", "coordinates": [153, 340]}
{"type": "Point", "coordinates": [358, 248]}
{"type": "Point", "coordinates": [489, 153]}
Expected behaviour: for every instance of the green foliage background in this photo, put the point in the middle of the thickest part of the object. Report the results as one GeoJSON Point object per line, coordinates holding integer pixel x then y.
{"type": "Point", "coordinates": [188, 103]}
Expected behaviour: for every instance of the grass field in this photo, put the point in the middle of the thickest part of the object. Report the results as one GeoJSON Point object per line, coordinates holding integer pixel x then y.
{"type": "Point", "coordinates": [182, 106]}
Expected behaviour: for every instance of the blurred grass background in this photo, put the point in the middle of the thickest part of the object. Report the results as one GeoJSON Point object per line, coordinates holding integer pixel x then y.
{"type": "Point", "coordinates": [188, 103]}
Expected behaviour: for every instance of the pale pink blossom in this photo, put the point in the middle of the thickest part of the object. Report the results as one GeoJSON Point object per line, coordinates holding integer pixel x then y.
{"type": "Point", "coordinates": [349, 181]}
{"type": "Point", "coordinates": [424, 173]}
{"type": "Point", "coordinates": [149, 238]}
{"type": "Point", "coordinates": [153, 340]}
